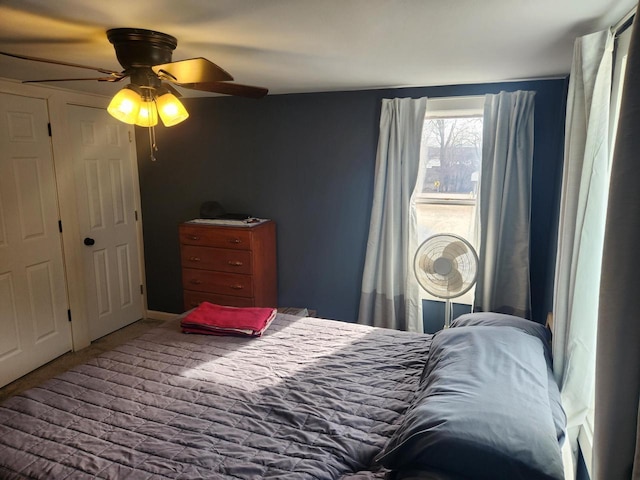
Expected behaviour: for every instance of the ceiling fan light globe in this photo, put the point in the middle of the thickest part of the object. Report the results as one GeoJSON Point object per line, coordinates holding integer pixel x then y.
{"type": "Point", "coordinates": [125, 106]}
{"type": "Point", "coordinates": [148, 114]}
{"type": "Point", "coordinates": [171, 110]}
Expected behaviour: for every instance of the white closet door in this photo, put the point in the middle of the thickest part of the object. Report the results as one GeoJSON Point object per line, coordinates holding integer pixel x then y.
{"type": "Point", "coordinates": [33, 300]}
{"type": "Point", "coordinates": [103, 164]}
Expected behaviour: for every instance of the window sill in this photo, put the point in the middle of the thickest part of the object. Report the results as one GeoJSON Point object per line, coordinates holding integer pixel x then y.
{"type": "Point", "coordinates": [423, 199]}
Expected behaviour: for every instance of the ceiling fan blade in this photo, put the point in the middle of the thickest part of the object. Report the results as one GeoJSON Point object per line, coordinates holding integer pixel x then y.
{"type": "Point", "coordinates": [58, 62]}
{"type": "Point", "coordinates": [228, 89]}
{"type": "Point", "coordinates": [99, 79]}
{"type": "Point", "coordinates": [194, 70]}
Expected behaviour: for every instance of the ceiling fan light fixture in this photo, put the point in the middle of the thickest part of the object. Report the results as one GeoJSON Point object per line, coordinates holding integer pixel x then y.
{"type": "Point", "coordinates": [125, 105]}
{"type": "Point", "coordinates": [145, 56]}
{"type": "Point", "coordinates": [170, 109]}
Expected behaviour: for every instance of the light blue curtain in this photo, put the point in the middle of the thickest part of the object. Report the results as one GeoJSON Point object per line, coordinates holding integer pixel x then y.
{"type": "Point", "coordinates": [581, 226]}
{"type": "Point", "coordinates": [616, 452]}
{"type": "Point", "coordinates": [383, 302]}
{"type": "Point", "coordinates": [505, 204]}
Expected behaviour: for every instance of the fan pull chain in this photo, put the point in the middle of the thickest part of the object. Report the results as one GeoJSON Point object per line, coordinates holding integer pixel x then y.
{"type": "Point", "coordinates": [152, 143]}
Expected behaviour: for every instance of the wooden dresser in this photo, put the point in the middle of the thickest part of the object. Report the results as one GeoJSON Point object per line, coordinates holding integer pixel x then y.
{"type": "Point", "coordinates": [229, 265]}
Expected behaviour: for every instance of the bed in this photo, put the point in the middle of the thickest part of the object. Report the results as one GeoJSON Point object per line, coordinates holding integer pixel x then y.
{"type": "Point", "coordinates": [310, 399]}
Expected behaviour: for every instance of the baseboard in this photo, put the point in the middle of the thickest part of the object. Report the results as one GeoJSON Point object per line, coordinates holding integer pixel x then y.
{"type": "Point", "coordinates": [155, 315]}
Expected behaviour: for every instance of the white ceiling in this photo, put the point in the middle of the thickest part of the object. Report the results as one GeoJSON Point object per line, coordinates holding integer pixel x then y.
{"type": "Point", "coordinates": [292, 46]}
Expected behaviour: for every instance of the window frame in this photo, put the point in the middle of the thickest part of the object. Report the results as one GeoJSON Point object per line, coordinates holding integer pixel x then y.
{"type": "Point", "coordinates": [449, 107]}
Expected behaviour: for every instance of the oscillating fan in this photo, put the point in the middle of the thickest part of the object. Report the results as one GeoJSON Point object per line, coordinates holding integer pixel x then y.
{"type": "Point", "coordinates": [446, 266]}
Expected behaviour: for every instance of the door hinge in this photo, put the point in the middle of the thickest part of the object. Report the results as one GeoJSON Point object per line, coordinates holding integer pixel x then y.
{"type": "Point", "coordinates": [49, 129]}
{"type": "Point", "coordinates": [135, 214]}
{"type": "Point", "coordinates": [60, 225]}
{"type": "Point", "coordinates": [130, 137]}
{"type": "Point", "coordinates": [69, 314]}
{"type": "Point", "coordinates": [141, 289]}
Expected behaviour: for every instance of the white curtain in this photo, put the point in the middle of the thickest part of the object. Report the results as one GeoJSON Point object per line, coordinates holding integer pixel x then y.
{"type": "Point", "coordinates": [505, 204]}
{"type": "Point", "coordinates": [384, 301]}
{"type": "Point", "coordinates": [616, 452]}
{"type": "Point", "coordinates": [581, 228]}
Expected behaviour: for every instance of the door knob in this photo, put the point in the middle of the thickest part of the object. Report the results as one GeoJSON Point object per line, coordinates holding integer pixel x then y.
{"type": "Point", "coordinates": [89, 241]}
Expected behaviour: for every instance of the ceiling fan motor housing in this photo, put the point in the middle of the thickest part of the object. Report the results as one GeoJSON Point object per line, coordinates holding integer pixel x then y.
{"type": "Point", "coordinates": [136, 47]}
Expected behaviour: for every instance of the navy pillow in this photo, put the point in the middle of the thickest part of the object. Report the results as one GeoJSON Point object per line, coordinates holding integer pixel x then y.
{"type": "Point", "coordinates": [482, 411]}
{"type": "Point", "coordinates": [536, 330]}
{"type": "Point", "coordinates": [489, 319]}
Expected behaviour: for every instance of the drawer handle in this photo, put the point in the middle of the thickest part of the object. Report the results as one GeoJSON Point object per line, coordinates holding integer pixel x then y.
{"type": "Point", "coordinates": [194, 237]}
{"type": "Point", "coordinates": [235, 240]}
{"type": "Point", "coordinates": [196, 281]}
{"type": "Point", "coordinates": [235, 263]}
{"type": "Point", "coordinates": [194, 259]}
{"type": "Point", "coordinates": [237, 287]}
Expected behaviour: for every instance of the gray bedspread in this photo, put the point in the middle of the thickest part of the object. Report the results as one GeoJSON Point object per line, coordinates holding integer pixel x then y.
{"type": "Point", "coordinates": [312, 398]}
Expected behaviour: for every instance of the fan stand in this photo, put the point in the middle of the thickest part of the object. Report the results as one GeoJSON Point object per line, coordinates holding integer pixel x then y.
{"type": "Point", "coordinates": [447, 313]}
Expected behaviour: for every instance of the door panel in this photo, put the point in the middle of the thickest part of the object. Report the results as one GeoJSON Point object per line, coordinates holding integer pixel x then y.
{"type": "Point", "coordinates": [33, 298]}
{"type": "Point", "coordinates": [10, 339]}
{"type": "Point", "coordinates": [105, 190]}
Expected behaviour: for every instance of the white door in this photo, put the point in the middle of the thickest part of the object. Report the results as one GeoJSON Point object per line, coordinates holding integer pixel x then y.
{"type": "Point", "coordinates": [34, 324]}
{"type": "Point", "coordinates": [103, 166]}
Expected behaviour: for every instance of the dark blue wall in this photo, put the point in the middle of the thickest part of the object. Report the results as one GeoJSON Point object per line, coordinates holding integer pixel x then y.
{"type": "Point", "coordinates": [582, 473]}
{"type": "Point", "coordinates": [307, 161]}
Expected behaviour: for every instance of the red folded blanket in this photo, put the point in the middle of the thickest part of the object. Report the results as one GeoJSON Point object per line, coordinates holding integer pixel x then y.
{"type": "Point", "coordinates": [213, 319]}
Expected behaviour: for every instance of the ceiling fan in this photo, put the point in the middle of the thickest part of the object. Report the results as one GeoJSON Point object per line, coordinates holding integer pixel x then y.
{"type": "Point", "coordinates": [145, 56]}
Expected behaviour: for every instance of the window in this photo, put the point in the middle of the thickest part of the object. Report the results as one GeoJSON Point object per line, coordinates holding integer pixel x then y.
{"type": "Point", "coordinates": [445, 196]}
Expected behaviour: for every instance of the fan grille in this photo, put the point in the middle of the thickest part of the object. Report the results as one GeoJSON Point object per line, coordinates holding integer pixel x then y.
{"type": "Point", "coordinates": [446, 265]}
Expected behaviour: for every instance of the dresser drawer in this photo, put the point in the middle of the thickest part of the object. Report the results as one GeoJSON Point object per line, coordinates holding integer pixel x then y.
{"type": "Point", "coordinates": [222, 283]}
{"type": "Point", "coordinates": [219, 259]}
{"type": "Point", "coordinates": [193, 299]}
{"type": "Point", "coordinates": [236, 238]}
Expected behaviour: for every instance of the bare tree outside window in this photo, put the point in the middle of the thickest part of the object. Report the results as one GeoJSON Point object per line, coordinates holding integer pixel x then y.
{"type": "Point", "coordinates": [453, 153]}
